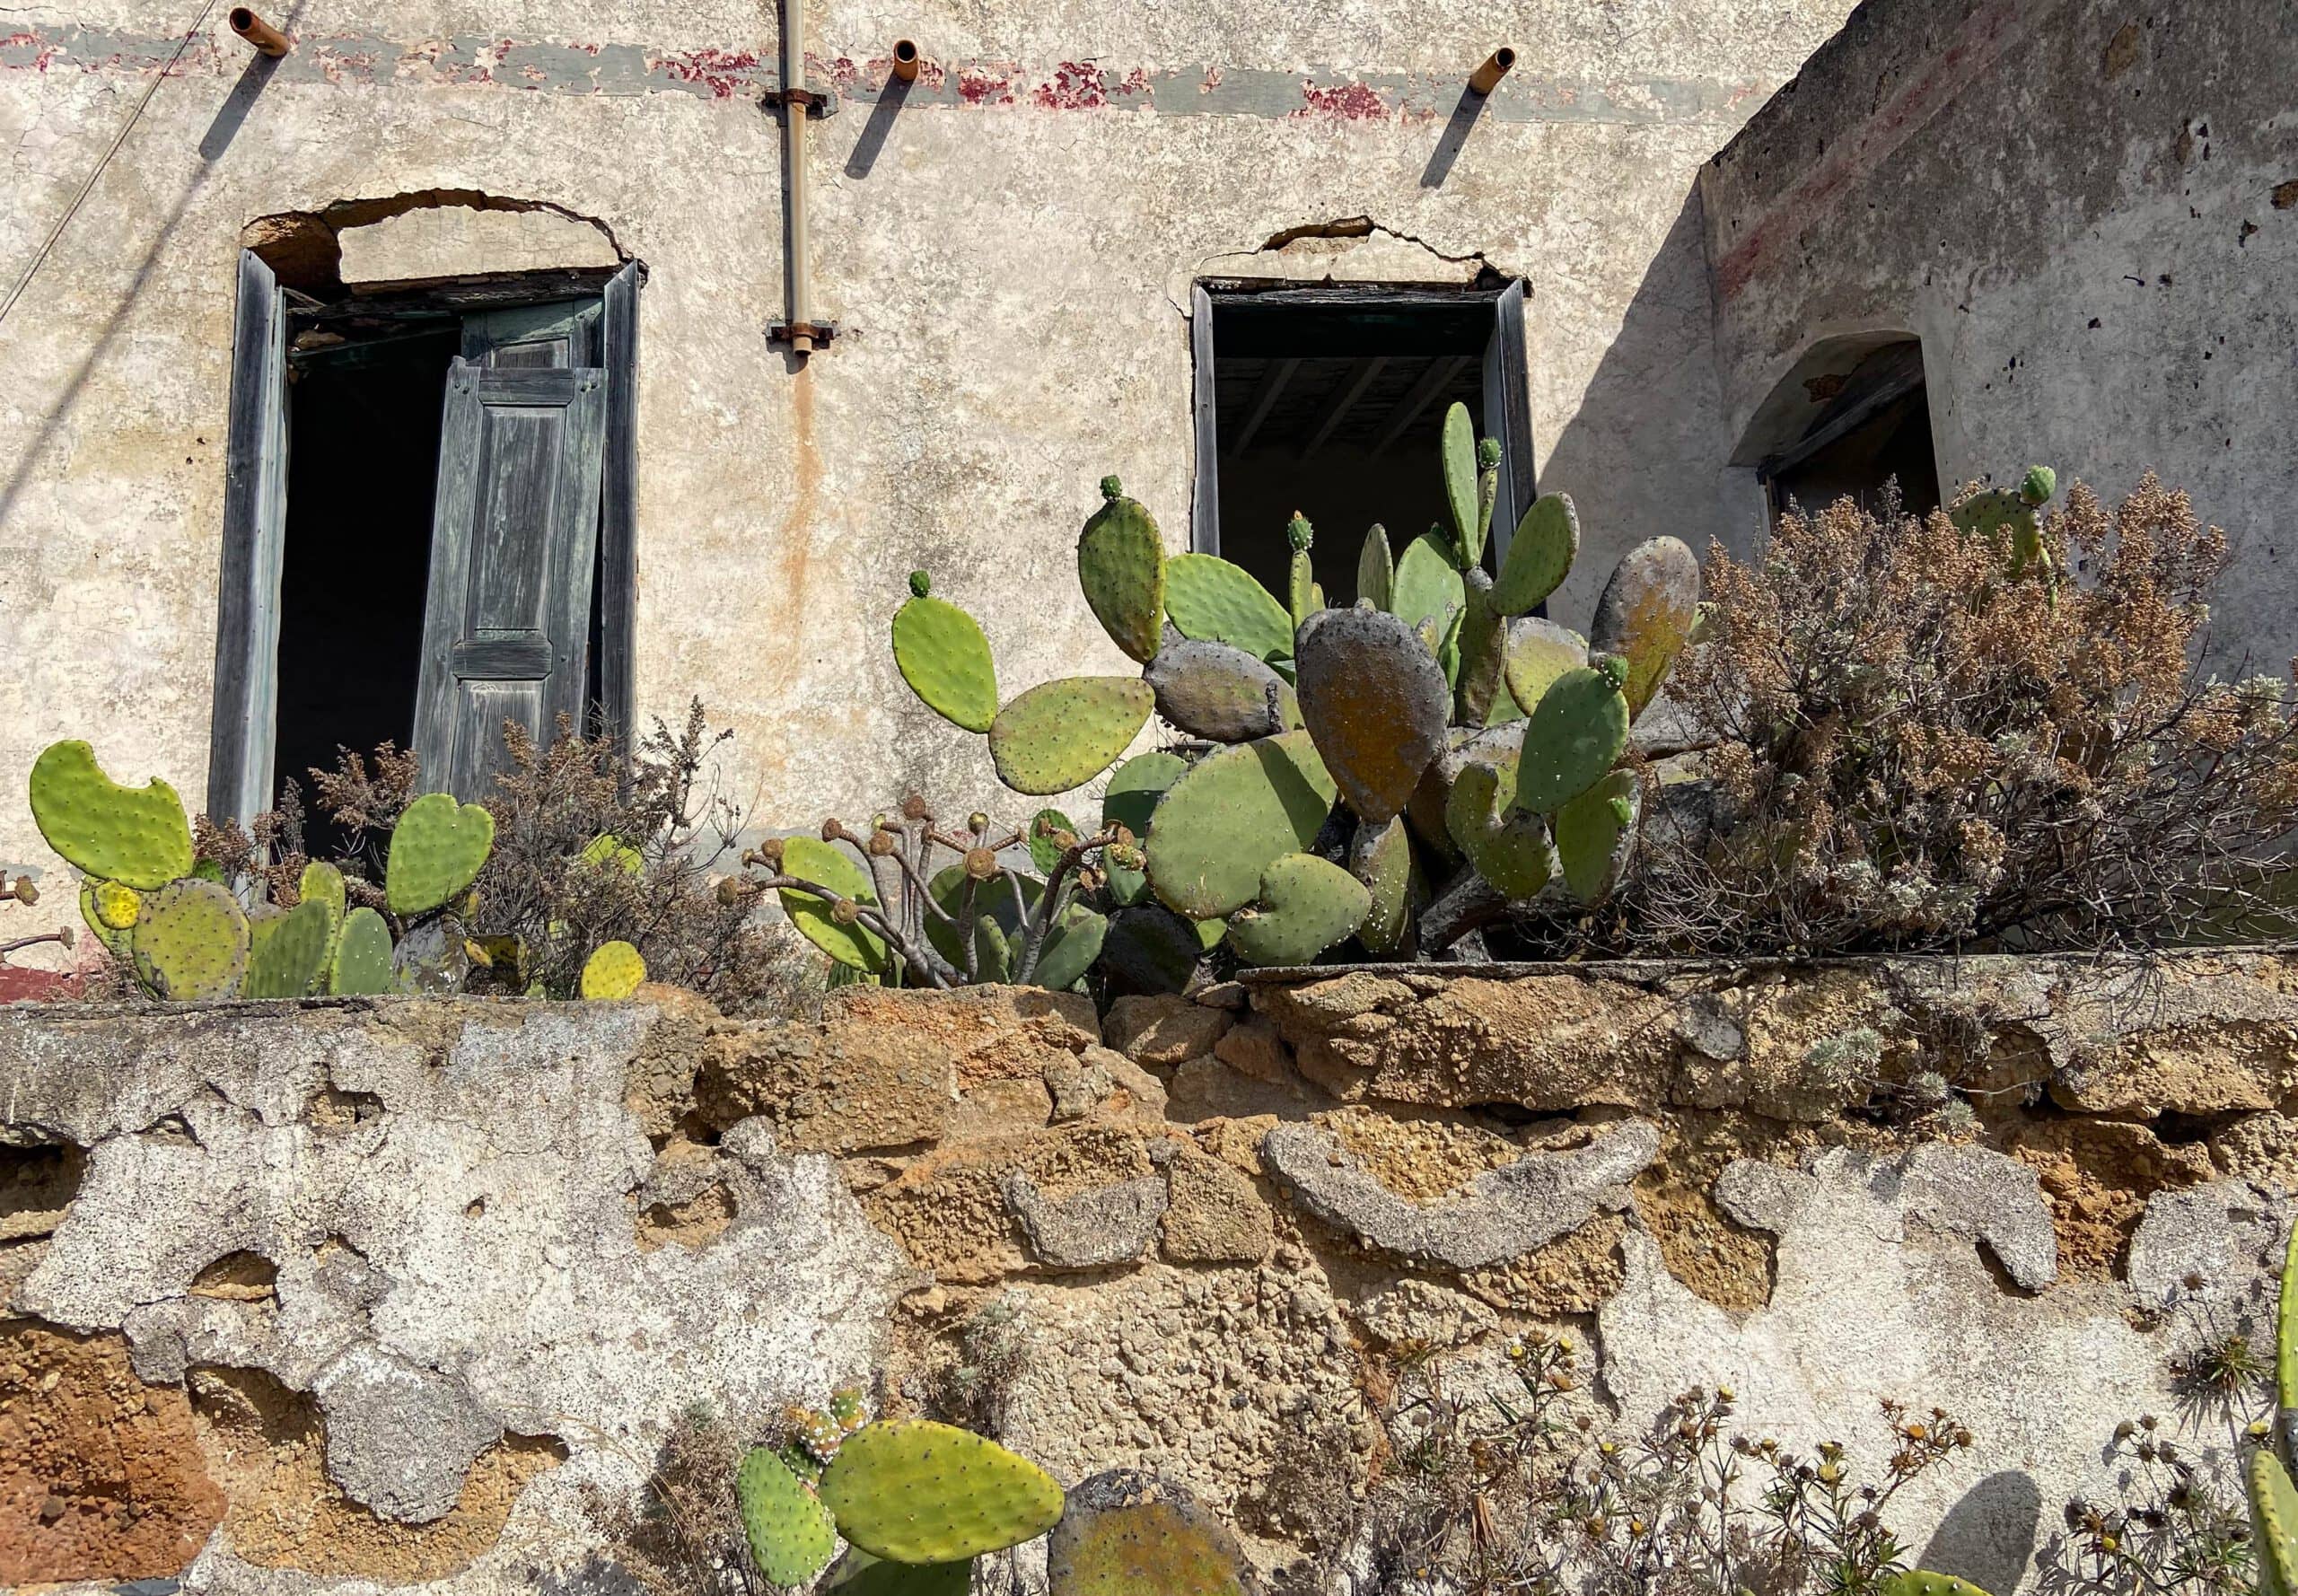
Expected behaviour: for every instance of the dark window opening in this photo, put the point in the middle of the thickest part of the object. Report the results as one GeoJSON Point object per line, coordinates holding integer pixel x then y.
{"type": "Point", "coordinates": [1330, 402]}
{"type": "Point", "coordinates": [1867, 426]}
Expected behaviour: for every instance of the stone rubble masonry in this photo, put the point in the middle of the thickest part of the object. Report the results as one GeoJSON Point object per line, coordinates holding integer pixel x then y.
{"type": "Point", "coordinates": [392, 1291]}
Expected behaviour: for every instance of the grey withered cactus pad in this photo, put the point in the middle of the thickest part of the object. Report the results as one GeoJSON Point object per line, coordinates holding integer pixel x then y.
{"type": "Point", "coordinates": [1217, 692]}
{"type": "Point", "coordinates": [1375, 701]}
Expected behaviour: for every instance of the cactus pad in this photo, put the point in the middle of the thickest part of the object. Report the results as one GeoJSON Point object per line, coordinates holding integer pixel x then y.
{"type": "Point", "coordinates": [1571, 740]}
{"type": "Point", "coordinates": [913, 1491]}
{"type": "Point", "coordinates": [1220, 826]}
{"type": "Point", "coordinates": [858, 1574]}
{"type": "Point", "coordinates": [1646, 613]}
{"type": "Point", "coordinates": [1427, 584]}
{"type": "Point", "coordinates": [115, 938]}
{"type": "Point", "coordinates": [1150, 949]}
{"type": "Point", "coordinates": [1376, 705]}
{"type": "Point", "coordinates": [811, 859]}
{"type": "Point", "coordinates": [945, 659]}
{"type": "Point", "coordinates": [789, 1530]}
{"type": "Point", "coordinates": [1539, 652]}
{"type": "Point", "coordinates": [1376, 569]}
{"type": "Point", "coordinates": [1214, 601]}
{"type": "Point", "coordinates": [1061, 734]}
{"type": "Point", "coordinates": [1484, 652]}
{"type": "Point", "coordinates": [1917, 1582]}
{"type": "Point", "coordinates": [291, 955]}
{"type": "Point", "coordinates": [609, 852]}
{"type": "Point", "coordinates": [2286, 1340]}
{"type": "Point", "coordinates": [1218, 692]}
{"type": "Point", "coordinates": [1121, 567]}
{"type": "Point", "coordinates": [1460, 482]}
{"type": "Point", "coordinates": [1381, 856]}
{"type": "Point", "coordinates": [362, 964]}
{"type": "Point", "coordinates": [1124, 1533]}
{"type": "Point", "coordinates": [1044, 836]}
{"type": "Point", "coordinates": [2038, 485]}
{"type": "Point", "coordinates": [136, 835]}
{"type": "Point", "coordinates": [1539, 556]}
{"type": "Point", "coordinates": [1593, 833]}
{"type": "Point", "coordinates": [1509, 851]}
{"type": "Point", "coordinates": [2273, 1523]}
{"type": "Point", "coordinates": [323, 882]}
{"type": "Point", "coordinates": [1134, 787]}
{"type": "Point", "coordinates": [993, 899]}
{"type": "Point", "coordinates": [1306, 905]}
{"type": "Point", "coordinates": [431, 960]}
{"type": "Point", "coordinates": [190, 942]}
{"type": "Point", "coordinates": [437, 849]}
{"type": "Point", "coordinates": [612, 972]}
{"type": "Point", "coordinates": [1070, 948]}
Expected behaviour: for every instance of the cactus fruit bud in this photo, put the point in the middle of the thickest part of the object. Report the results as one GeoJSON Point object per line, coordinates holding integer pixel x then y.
{"type": "Point", "coordinates": [1121, 834]}
{"type": "Point", "coordinates": [730, 890]}
{"type": "Point", "coordinates": [1623, 812]}
{"type": "Point", "coordinates": [1111, 488]}
{"type": "Point", "coordinates": [920, 584]}
{"type": "Point", "coordinates": [1488, 453]}
{"type": "Point", "coordinates": [977, 822]}
{"type": "Point", "coordinates": [881, 844]}
{"type": "Point", "coordinates": [844, 912]}
{"type": "Point", "coordinates": [770, 851]}
{"type": "Point", "coordinates": [1299, 533]}
{"type": "Point", "coordinates": [833, 828]}
{"type": "Point", "coordinates": [1615, 670]}
{"type": "Point", "coordinates": [914, 807]}
{"type": "Point", "coordinates": [981, 864]}
{"type": "Point", "coordinates": [2041, 482]}
{"type": "Point", "coordinates": [26, 894]}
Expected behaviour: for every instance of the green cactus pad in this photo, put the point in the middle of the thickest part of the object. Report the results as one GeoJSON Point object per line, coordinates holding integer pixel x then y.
{"type": "Point", "coordinates": [1304, 598]}
{"type": "Point", "coordinates": [1070, 948]}
{"type": "Point", "coordinates": [2286, 1340]}
{"type": "Point", "coordinates": [605, 852]}
{"type": "Point", "coordinates": [1219, 692]}
{"type": "Point", "coordinates": [1043, 837]}
{"type": "Point", "coordinates": [1484, 652]}
{"type": "Point", "coordinates": [114, 938]}
{"type": "Point", "coordinates": [1126, 1534]}
{"type": "Point", "coordinates": [438, 848]}
{"type": "Point", "coordinates": [612, 972]}
{"type": "Point", "coordinates": [1539, 556]}
{"type": "Point", "coordinates": [1121, 567]}
{"type": "Point", "coordinates": [858, 1574]}
{"type": "Point", "coordinates": [1237, 810]}
{"type": "Point", "coordinates": [1571, 740]}
{"type": "Point", "coordinates": [1151, 950]}
{"type": "Point", "coordinates": [826, 865]}
{"type": "Point", "coordinates": [136, 835]}
{"type": "Point", "coordinates": [913, 1491]}
{"type": "Point", "coordinates": [2273, 1523]}
{"type": "Point", "coordinates": [290, 955]}
{"type": "Point", "coordinates": [1136, 787]}
{"type": "Point", "coordinates": [1210, 599]}
{"type": "Point", "coordinates": [1376, 705]}
{"type": "Point", "coordinates": [945, 659]}
{"type": "Point", "coordinates": [1917, 1582]}
{"type": "Point", "coordinates": [324, 882]}
{"type": "Point", "coordinates": [1381, 856]}
{"type": "Point", "coordinates": [1509, 851]}
{"type": "Point", "coordinates": [1593, 833]}
{"type": "Point", "coordinates": [362, 964]}
{"type": "Point", "coordinates": [190, 942]}
{"type": "Point", "coordinates": [1427, 584]}
{"type": "Point", "coordinates": [2038, 485]}
{"type": "Point", "coordinates": [1460, 482]}
{"type": "Point", "coordinates": [1376, 569]}
{"type": "Point", "coordinates": [1646, 613]}
{"type": "Point", "coordinates": [789, 1530]}
{"type": "Point", "coordinates": [1306, 905]}
{"type": "Point", "coordinates": [1540, 652]}
{"type": "Point", "coordinates": [1061, 734]}
{"type": "Point", "coordinates": [992, 898]}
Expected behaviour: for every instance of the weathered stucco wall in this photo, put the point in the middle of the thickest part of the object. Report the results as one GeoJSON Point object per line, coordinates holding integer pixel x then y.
{"type": "Point", "coordinates": [398, 1291]}
{"type": "Point", "coordinates": [2088, 209]}
{"type": "Point", "coordinates": [1008, 251]}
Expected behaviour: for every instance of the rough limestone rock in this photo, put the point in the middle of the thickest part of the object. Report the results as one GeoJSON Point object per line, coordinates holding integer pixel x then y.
{"type": "Point", "coordinates": [1502, 1213]}
{"type": "Point", "coordinates": [1166, 1030]}
{"type": "Point", "coordinates": [1088, 1230]}
{"type": "Point", "coordinates": [2203, 1243]}
{"type": "Point", "coordinates": [1423, 1312]}
{"type": "Point", "coordinates": [1214, 1214]}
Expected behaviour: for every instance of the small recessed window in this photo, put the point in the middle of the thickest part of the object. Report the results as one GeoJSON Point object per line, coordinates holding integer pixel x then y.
{"type": "Point", "coordinates": [1851, 417]}
{"type": "Point", "coordinates": [1330, 401]}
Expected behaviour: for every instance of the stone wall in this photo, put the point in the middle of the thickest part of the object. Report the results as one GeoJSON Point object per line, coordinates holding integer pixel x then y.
{"type": "Point", "coordinates": [391, 1292]}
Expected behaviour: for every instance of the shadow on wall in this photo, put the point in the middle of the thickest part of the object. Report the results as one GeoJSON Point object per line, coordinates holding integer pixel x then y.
{"type": "Point", "coordinates": [1987, 1537]}
{"type": "Point", "coordinates": [1646, 453]}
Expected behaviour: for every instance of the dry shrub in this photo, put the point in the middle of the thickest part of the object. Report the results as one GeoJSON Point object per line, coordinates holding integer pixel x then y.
{"type": "Point", "coordinates": [683, 1535]}
{"type": "Point", "coordinates": [1911, 747]}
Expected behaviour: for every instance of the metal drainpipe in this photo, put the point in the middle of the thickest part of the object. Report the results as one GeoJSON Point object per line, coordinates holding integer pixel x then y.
{"type": "Point", "coordinates": [793, 152]}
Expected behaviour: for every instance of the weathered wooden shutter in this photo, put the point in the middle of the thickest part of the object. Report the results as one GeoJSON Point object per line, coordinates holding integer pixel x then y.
{"type": "Point", "coordinates": [255, 511]}
{"type": "Point", "coordinates": [1508, 416]}
{"type": "Point", "coordinates": [514, 544]}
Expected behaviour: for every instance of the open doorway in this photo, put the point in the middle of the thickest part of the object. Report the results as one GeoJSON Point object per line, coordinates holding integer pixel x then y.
{"type": "Point", "coordinates": [1329, 400]}
{"type": "Point", "coordinates": [1852, 416]}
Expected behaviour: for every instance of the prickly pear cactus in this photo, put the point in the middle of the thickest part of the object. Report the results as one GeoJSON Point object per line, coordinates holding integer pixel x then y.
{"type": "Point", "coordinates": [913, 1491]}
{"type": "Point", "coordinates": [1050, 835]}
{"type": "Point", "coordinates": [1070, 948]}
{"type": "Point", "coordinates": [136, 835]}
{"type": "Point", "coordinates": [290, 957]}
{"type": "Point", "coordinates": [1917, 1582]}
{"type": "Point", "coordinates": [612, 972]}
{"type": "Point", "coordinates": [1151, 950]}
{"type": "Point", "coordinates": [1210, 599]}
{"type": "Point", "coordinates": [1511, 851]}
{"type": "Point", "coordinates": [858, 1574]}
{"type": "Point", "coordinates": [1484, 653]}
{"type": "Point", "coordinates": [190, 942]}
{"type": "Point", "coordinates": [1574, 734]}
{"type": "Point", "coordinates": [1540, 652]}
{"type": "Point", "coordinates": [1303, 597]}
{"type": "Point", "coordinates": [1306, 905]}
{"type": "Point", "coordinates": [1376, 569]}
{"type": "Point", "coordinates": [2285, 1346]}
{"type": "Point", "coordinates": [1061, 734]}
{"type": "Point", "coordinates": [361, 966]}
{"type": "Point", "coordinates": [322, 882]}
{"type": "Point", "coordinates": [1375, 704]}
{"type": "Point", "coordinates": [1646, 614]}
{"type": "Point", "coordinates": [1219, 692]}
{"type": "Point", "coordinates": [438, 848]}
{"type": "Point", "coordinates": [1428, 583]}
{"type": "Point", "coordinates": [1121, 567]}
{"type": "Point", "coordinates": [2273, 1523]}
{"type": "Point", "coordinates": [944, 657]}
{"type": "Point", "coordinates": [789, 1530]}
{"type": "Point", "coordinates": [1539, 556]}
{"type": "Point", "coordinates": [826, 865]}
{"type": "Point", "coordinates": [1593, 834]}
{"type": "Point", "coordinates": [94, 910]}
{"type": "Point", "coordinates": [606, 852]}
{"type": "Point", "coordinates": [1381, 856]}
{"type": "Point", "coordinates": [1460, 460]}
{"type": "Point", "coordinates": [1239, 809]}
{"type": "Point", "coordinates": [1127, 1533]}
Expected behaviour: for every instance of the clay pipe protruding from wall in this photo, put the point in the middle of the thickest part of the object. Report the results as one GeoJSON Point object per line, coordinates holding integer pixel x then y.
{"type": "Point", "coordinates": [258, 32]}
{"type": "Point", "coordinates": [1486, 77]}
{"type": "Point", "coordinates": [906, 61]}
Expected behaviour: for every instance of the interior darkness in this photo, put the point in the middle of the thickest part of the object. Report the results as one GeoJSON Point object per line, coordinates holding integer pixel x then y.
{"type": "Point", "coordinates": [362, 460]}
{"type": "Point", "coordinates": [1334, 409]}
{"type": "Point", "coordinates": [1894, 443]}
